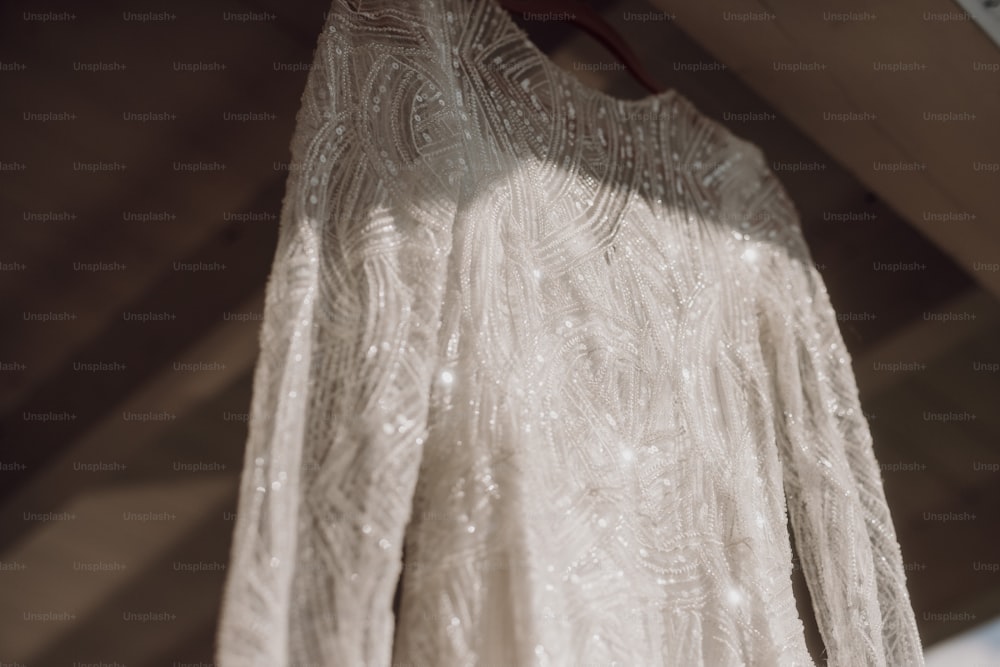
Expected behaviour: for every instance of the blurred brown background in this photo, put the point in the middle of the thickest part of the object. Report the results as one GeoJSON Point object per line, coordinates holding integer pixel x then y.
{"type": "Point", "coordinates": [139, 221]}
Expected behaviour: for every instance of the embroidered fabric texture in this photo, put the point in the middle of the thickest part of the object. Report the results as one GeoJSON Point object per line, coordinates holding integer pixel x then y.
{"type": "Point", "coordinates": [573, 351]}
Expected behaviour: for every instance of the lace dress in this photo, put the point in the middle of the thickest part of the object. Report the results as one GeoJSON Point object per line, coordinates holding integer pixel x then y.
{"type": "Point", "coordinates": [571, 352]}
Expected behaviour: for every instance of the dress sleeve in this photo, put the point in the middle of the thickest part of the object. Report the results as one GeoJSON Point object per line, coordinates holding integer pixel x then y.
{"type": "Point", "coordinates": [340, 389]}
{"type": "Point", "coordinates": [833, 487]}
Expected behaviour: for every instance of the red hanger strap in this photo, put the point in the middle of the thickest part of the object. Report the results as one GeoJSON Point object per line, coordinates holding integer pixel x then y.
{"type": "Point", "coordinates": [596, 26]}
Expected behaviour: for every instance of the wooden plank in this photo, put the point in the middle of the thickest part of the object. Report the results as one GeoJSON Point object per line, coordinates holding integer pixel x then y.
{"type": "Point", "coordinates": [809, 66]}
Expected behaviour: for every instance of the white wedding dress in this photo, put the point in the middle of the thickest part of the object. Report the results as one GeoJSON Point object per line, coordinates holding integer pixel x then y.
{"type": "Point", "coordinates": [573, 352]}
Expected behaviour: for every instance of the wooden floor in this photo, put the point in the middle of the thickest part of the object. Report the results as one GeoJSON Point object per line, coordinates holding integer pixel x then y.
{"type": "Point", "coordinates": [118, 466]}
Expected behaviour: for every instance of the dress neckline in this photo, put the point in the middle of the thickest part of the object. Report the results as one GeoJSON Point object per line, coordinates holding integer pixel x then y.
{"type": "Point", "coordinates": [557, 73]}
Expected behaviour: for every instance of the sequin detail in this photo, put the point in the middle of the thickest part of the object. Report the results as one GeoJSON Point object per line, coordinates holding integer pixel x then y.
{"type": "Point", "coordinates": [571, 353]}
